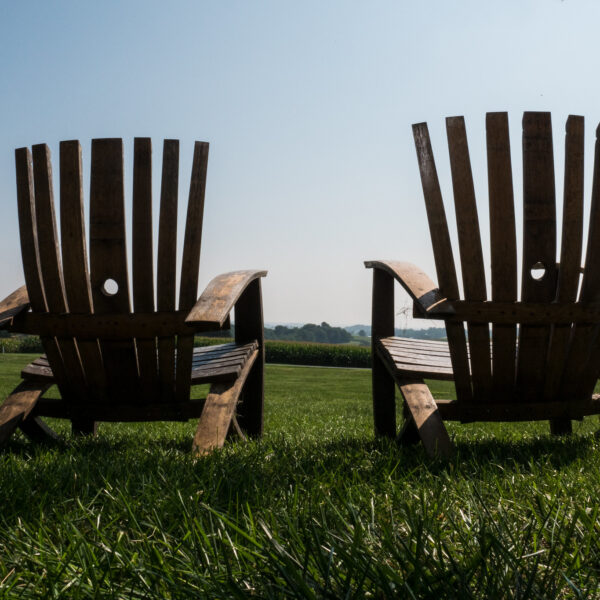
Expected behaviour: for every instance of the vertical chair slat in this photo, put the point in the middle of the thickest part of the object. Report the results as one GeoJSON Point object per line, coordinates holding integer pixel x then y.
{"type": "Point", "coordinates": [167, 261]}
{"type": "Point", "coordinates": [539, 246]}
{"type": "Point", "coordinates": [50, 265]}
{"type": "Point", "coordinates": [31, 256]}
{"type": "Point", "coordinates": [74, 257]}
{"type": "Point", "coordinates": [444, 261]}
{"type": "Point", "coordinates": [471, 254]}
{"type": "Point", "coordinates": [108, 260]}
{"type": "Point", "coordinates": [190, 264]}
{"type": "Point", "coordinates": [582, 363]}
{"type": "Point", "coordinates": [503, 249]}
{"type": "Point", "coordinates": [142, 260]}
{"type": "Point", "coordinates": [570, 252]}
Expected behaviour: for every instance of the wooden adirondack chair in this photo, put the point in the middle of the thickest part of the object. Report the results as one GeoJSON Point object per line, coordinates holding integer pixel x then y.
{"type": "Point", "coordinates": [111, 363]}
{"type": "Point", "coordinates": [543, 360]}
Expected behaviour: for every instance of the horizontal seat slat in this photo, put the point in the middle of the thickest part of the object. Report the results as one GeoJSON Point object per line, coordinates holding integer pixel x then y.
{"type": "Point", "coordinates": [210, 364]}
{"type": "Point", "coordinates": [406, 357]}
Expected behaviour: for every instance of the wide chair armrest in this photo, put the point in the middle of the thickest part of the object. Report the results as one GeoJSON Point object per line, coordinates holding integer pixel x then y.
{"type": "Point", "coordinates": [13, 305]}
{"type": "Point", "coordinates": [220, 296]}
{"type": "Point", "coordinates": [420, 287]}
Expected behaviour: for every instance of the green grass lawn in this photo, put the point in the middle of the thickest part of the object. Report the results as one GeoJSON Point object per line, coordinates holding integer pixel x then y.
{"type": "Point", "coordinates": [316, 509]}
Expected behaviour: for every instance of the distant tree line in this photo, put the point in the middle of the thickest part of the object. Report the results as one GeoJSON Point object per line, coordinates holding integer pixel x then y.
{"type": "Point", "coordinates": [323, 333]}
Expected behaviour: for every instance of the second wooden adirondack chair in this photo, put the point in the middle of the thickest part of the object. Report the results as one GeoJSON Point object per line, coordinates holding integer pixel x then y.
{"type": "Point", "coordinates": [543, 358]}
{"type": "Point", "coordinates": [111, 363]}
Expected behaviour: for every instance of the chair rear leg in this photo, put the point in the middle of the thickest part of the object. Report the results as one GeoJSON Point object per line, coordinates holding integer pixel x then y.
{"type": "Point", "coordinates": [561, 426]}
{"type": "Point", "coordinates": [427, 418]}
{"type": "Point", "coordinates": [82, 426]}
{"type": "Point", "coordinates": [250, 410]}
{"type": "Point", "coordinates": [384, 399]}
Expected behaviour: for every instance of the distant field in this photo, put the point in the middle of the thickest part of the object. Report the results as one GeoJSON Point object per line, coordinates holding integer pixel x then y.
{"type": "Point", "coordinates": [316, 509]}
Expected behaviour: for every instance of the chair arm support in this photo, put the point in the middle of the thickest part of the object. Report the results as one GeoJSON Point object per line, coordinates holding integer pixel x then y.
{"type": "Point", "coordinates": [12, 305]}
{"type": "Point", "coordinates": [419, 286]}
{"type": "Point", "coordinates": [219, 297]}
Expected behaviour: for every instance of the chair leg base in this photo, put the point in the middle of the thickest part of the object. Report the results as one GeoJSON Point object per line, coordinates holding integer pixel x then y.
{"type": "Point", "coordinates": [219, 412]}
{"type": "Point", "coordinates": [17, 407]}
{"type": "Point", "coordinates": [426, 418]}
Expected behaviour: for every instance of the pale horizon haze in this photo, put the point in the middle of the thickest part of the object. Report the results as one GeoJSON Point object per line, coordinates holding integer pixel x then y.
{"type": "Point", "coordinates": [307, 107]}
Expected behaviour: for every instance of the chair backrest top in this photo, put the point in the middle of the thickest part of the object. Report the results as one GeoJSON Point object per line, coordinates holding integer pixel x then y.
{"type": "Point", "coordinates": [535, 354]}
{"type": "Point", "coordinates": [59, 280]}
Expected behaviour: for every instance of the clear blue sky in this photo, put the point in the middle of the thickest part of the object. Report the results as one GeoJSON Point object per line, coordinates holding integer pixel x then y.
{"type": "Point", "coordinates": [307, 107]}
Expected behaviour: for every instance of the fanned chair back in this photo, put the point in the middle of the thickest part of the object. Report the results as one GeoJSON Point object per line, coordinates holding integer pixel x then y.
{"type": "Point", "coordinates": [100, 345]}
{"type": "Point", "coordinates": [544, 348]}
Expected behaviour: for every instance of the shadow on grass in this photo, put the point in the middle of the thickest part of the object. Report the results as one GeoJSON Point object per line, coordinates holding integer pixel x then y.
{"type": "Point", "coordinates": [56, 473]}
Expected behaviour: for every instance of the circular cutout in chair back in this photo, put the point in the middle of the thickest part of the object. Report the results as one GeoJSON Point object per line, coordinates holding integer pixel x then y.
{"type": "Point", "coordinates": [110, 287]}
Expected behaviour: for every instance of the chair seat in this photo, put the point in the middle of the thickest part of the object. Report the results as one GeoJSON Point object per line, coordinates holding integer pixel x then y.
{"type": "Point", "coordinates": [408, 357]}
{"type": "Point", "coordinates": [210, 364]}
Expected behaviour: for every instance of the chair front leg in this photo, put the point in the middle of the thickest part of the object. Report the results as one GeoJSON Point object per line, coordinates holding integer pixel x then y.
{"type": "Point", "coordinates": [382, 325]}
{"type": "Point", "coordinates": [249, 327]}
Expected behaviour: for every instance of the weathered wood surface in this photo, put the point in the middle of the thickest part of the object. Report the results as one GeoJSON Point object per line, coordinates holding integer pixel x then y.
{"type": "Point", "coordinates": [511, 411]}
{"type": "Point", "coordinates": [529, 313]}
{"type": "Point", "coordinates": [471, 253]}
{"type": "Point", "coordinates": [142, 261]}
{"type": "Point", "coordinates": [167, 263]}
{"type": "Point", "coordinates": [12, 305]}
{"type": "Point", "coordinates": [570, 259]}
{"type": "Point", "coordinates": [220, 296]}
{"type": "Point", "coordinates": [73, 385]}
{"type": "Point", "coordinates": [28, 232]}
{"type": "Point", "coordinates": [222, 361]}
{"type": "Point", "coordinates": [539, 248]}
{"type": "Point", "coordinates": [190, 262]}
{"type": "Point", "coordinates": [218, 411]}
{"type": "Point", "coordinates": [249, 330]}
{"type": "Point", "coordinates": [108, 260]}
{"type": "Point", "coordinates": [75, 263]}
{"type": "Point", "coordinates": [18, 406]}
{"type": "Point", "coordinates": [503, 247]}
{"type": "Point", "coordinates": [382, 326]}
{"type": "Point", "coordinates": [414, 280]}
{"type": "Point", "coordinates": [427, 419]}
{"type": "Point", "coordinates": [581, 372]}
{"type": "Point", "coordinates": [109, 326]}
{"type": "Point", "coordinates": [444, 261]}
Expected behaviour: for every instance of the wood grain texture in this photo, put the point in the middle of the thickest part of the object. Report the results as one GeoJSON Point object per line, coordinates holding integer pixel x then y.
{"type": "Point", "coordinates": [218, 412]}
{"type": "Point", "coordinates": [414, 280]}
{"type": "Point", "coordinates": [220, 296]}
{"type": "Point", "coordinates": [570, 258]}
{"type": "Point", "coordinates": [503, 250]}
{"type": "Point", "coordinates": [249, 330]}
{"type": "Point", "coordinates": [382, 326]}
{"type": "Point", "coordinates": [143, 260]}
{"type": "Point", "coordinates": [444, 261]}
{"type": "Point", "coordinates": [190, 264]}
{"type": "Point", "coordinates": [30, 251]}
{"type": "Point", "coordinates": [471, 253]}
{"type": "Point", "coordinates": [425, 414]}
{"type": "Point", "coordinates": [75, 262]}
{"type": "Point", "coordinates": [108, 260]}
{"type": "Point", "coordinates": [582, 362]}
{"type": "Point", "coordinates": [13, 305]}
{"type": "Point", "coordinates": [167, 263]}
{"type": "Point", "coordinates": [539, 247]}
{"type": "Point", "coordinates": [73, 385]}
{"type": "Point", "coordinates": [18, 406]}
